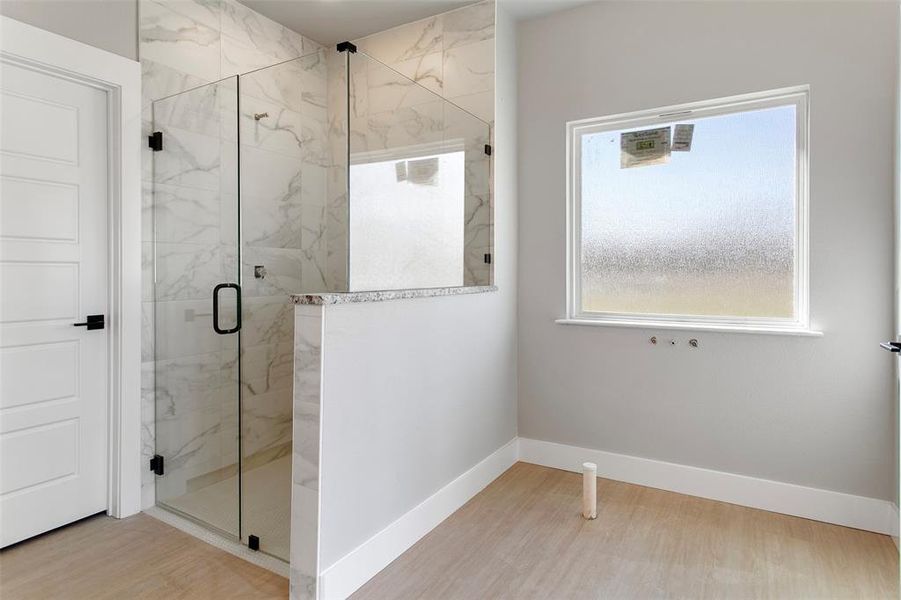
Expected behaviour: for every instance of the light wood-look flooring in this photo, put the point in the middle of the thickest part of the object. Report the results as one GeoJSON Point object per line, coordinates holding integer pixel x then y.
{"type": "Point", "coordinates": [135, 558]}
{"type": "Point", "coordinates": [523, 538]}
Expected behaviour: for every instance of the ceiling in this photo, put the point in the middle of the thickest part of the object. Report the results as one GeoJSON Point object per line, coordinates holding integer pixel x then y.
{"type": "Point", "coordinates": [331, 21]}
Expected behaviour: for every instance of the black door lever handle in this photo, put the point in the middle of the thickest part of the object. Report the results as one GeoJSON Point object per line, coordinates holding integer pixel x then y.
{"type": "Point", "coordinates": [93, 322]}
{"type": "Point", "coordinates": [891, 346]}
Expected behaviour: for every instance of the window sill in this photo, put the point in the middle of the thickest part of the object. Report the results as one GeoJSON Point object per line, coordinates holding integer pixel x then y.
{"type": "Point", "coordinates": [691, 327]}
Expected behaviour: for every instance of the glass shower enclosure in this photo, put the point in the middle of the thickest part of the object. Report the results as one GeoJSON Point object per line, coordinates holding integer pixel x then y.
{"type": "Point", "coordinates": [327, 173]}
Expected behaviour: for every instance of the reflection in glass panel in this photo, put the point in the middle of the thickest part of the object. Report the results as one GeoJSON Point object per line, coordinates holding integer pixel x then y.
{"type": "Point", "coordinates": [406, 227]}
{"type": "Point", "coordinates": [419, 209]}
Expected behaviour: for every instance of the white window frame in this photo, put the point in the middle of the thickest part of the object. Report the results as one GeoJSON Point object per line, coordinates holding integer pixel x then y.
{"type": "Point", "coordinates": [799, 97]}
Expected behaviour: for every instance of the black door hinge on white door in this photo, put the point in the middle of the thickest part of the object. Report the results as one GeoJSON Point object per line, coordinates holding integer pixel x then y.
{"type": "Point", "coordinates": [488, 149]}
{"type": "Point", "coordinates": [155, 141]}
{"type": "Point", "coordinates": [157, 464]}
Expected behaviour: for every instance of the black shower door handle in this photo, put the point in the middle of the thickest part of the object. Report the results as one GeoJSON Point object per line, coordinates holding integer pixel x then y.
{"type": "Point", "coordinates": [216, 291]}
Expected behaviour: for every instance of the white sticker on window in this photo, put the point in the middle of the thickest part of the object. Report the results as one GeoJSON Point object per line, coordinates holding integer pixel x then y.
{"type": "Point", "coordinates": [644, 148]}
{"type": "Point", "coordinates": [682, 135]}
{"type": "Point", "coordinates": [423, 171]}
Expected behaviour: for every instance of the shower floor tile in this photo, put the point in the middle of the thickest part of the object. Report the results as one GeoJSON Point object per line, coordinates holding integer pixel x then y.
{"type": "Point", "coordinates": [266, 505]}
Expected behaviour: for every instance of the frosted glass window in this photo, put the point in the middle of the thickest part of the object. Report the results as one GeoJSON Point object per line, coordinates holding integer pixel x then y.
{"type": "Point", "coordinates": [406, 222]}
{"type": "Point", "coordinates": [695, 216]}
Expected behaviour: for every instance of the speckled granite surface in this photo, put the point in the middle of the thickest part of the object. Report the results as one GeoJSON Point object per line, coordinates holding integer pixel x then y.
{"type": "Point", "coordinates": [381, 296]}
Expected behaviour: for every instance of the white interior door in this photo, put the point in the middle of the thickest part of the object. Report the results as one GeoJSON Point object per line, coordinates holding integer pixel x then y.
{"type": "Point", "coordinates": [54, 379]}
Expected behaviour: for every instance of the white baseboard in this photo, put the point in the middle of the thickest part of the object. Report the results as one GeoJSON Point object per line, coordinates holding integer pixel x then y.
{"type": "Point", "coordinates": [859, 512]}
{"type": "Point", "coordinates": [344, 577]}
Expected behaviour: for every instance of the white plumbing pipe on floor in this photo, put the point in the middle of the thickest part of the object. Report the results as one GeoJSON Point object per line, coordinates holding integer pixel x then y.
{"type": "Point", "coordinates": [589, 490]}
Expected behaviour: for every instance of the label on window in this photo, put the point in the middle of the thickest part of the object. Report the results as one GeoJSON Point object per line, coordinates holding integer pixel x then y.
{"type": "Point", "coordinates": [644, 148]}
{"type": "Point", "coordinates": [423, 171]}
{"type": "Point", "coordinates": [682, 135]}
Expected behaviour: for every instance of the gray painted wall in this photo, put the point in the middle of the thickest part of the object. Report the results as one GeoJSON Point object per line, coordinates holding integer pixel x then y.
{"type": "Point", "coordinates": [108, 24]}
{"type": "Point", "coordinates": [810, 411]}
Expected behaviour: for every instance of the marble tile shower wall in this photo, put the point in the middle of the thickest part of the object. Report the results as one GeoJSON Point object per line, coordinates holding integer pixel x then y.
{"type": "Point", "coordinates": [451, 54]}
{"type": "Point", "coordinates": [184, 44]}
{"type": "Point", "coordinates": [188, 43]}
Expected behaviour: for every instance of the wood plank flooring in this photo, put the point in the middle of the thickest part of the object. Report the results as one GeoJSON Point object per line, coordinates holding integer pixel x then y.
{"type": "Point", "coordinates": [135, 558]}
{"type": "Point", "coordinates": [523, 537]}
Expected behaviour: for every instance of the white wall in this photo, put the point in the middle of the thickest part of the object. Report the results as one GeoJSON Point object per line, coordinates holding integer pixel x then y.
{"type": "Point", "coordinates": [108, 25]}
{"type": "Point", "coordinates": [434, 390]}
{"type": "Point", "coordinates": [810, 411]}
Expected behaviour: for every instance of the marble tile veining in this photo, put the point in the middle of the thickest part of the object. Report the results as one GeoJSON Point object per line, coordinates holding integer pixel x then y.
{"type": "Point", "coordinates": [267, 320]}
{"type": "Point", "coordinates": [190, 160]}
{"type": "Point", "coordinates": [405, 41]}
{"type": "Point", "coordinates": [160, 81]}
{"type": "Point", "coordinates": [207, 12]}
{"type": "Point", "coordinates": [468, 25]}
{"type": "Point", "coordinates": [307, 402]}
{"type": "Point", "coordinates": [179, 42]}
{"type": "Point", "coordinates": [186, 385]}
{"type": "Point", "coordinates": [469, 69]}
{"type": "Point", "coordinates": [180, 214]}
{"type": "Point", "coordinates": [426, 70]}
{"type": "Point", "coordinates": [186, 271]}
{"type": "Point", "coordinates": [262, 35]}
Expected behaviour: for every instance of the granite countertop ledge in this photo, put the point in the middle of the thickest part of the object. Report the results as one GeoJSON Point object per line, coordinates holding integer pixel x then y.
{"type": "Point", "coordinates": [381, 296]}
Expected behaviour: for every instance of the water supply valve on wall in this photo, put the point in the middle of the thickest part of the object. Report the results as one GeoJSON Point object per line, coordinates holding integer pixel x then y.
{"type": "Point", "coordinates": [693, 342]}
{"type": "Point", "coordinates": [259, 272]}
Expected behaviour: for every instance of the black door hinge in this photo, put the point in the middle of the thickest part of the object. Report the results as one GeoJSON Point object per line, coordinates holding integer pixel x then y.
{"type": "Point", "coordinates": [253, 542]}
{"type": "Point", "coordinates": [155, 141]}
{"type": "Point", "coordinates": [488, 149]}
{"type": "Point", "coordinates": [342, 46]}
{"type": "Point", "coordinates": [156, 464]}
{"type": "Point", "coordinates": [488, 258]}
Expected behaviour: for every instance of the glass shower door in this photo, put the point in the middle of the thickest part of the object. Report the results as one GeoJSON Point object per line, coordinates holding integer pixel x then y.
{"type": "Point", "coordinates": [196, 304]}
{"type": "Point", "coordinates": [284, 170]}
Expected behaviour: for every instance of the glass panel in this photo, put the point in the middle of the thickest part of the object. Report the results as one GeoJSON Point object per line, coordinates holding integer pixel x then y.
{"type": "Point", "coordinates": [195, 199]}
{"type": "Point", "coordinates": [285, 159]}
{"type": "Point", "coordinates": [708, 231]}
{"type": "Point", "coordinates": [419, 204]}
{"type": "Point", "coordinates": [464, 131]}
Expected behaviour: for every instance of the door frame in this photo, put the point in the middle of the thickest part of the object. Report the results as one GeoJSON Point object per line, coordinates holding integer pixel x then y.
{"type": "Point", "coordinates": [897, 296]}
{"type": "Point", "coordinates": [120, 78]}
